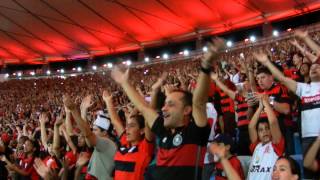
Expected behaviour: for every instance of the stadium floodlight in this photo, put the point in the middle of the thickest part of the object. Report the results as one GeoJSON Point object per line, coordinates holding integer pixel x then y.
{"type": "Point", "coordinates": [110, 65]}
{"type": "Point", "coordinates": [128, 62]}
{"type": "Point", "coordinates": [32, 73]}
{"type": "Point", "coordinates": [79, 69]}
{"type": "Point", "coordinates": [146, 59]}
{"type": "Point", "coordinates": [252, 38]}
{"type": "Point", "coordinates": [275, 33]}
{"type": "Point", "coordinates": [48, 72]}
{"type": "Point", "coordinates": [94, 67]}
{"type": "Point", "coordinates": [165, 56]}
{"type": "Point", "coordinates": [61, 71]}
{"type": "Point", "coordinates": [229, 44]}
{"type": "Point", "coordinates": [205, 49]}
{"type": "Point", "coordinates": [186, 53]}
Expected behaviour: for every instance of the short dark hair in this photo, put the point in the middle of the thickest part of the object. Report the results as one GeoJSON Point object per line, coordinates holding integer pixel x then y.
{"type": "Point", "coordinates": [294, 166]}
{"type": "Point", "coordinates": [140, 120]}
{"type": "Point", "coordinates": [187, 97]}
{"type": "Point", "coordinates": [261, 120]}
{"type": "Point", "coordinates": [263, 70]}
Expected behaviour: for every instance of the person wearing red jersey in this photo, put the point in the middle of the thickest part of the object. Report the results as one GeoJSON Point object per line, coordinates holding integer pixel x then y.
{"type": "Point", "coordinates": [221, 149]}
{"type": "Point", "coordinates": [136, 147]}
{"type": "Point", "coordinates": [25, 169]}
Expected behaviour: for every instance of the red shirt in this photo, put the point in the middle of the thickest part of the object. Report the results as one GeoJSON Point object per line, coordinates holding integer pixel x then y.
{"type": "Point", "coordinates": [131, 162]}
{"type": "Point", "coordinates": [50, 162]}
{"type": "Point", "coordinates": [26, 164]}
{"type": "Point", "coordinates": [235, 163]}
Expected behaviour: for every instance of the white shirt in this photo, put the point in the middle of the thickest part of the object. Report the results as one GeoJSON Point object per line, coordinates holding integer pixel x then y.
{"type": "Point", "coordinates": [211, 115]}
{"type": "Point", "coordinates": [310, 104]}
{"type": "Point", "coordinates": [263, 159]}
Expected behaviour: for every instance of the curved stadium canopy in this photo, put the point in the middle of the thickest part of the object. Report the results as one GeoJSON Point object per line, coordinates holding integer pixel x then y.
{"type": "Point", "coordinates": [40, 31]}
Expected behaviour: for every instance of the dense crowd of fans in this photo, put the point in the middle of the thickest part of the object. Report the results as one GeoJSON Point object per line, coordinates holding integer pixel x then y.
{"type": "Point", "coordinates": [189, 119]}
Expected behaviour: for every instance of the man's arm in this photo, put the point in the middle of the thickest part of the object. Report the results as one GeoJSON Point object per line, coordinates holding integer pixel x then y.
{"type": "Point", "coordinates": [43, 118]}
{"type": "Point", "coordinates": [220, 151]}
{"type": "Point", "coordinates": [224, 88]}
{"type": "Point", "coordinates": [122, 79]}
{"type": "Point", "coordinates": [253, 122]}
{"type": "Point", "coordinates": [263, 59]}
{"type": "Point", "coordinates": [200, 94]}
{"type": "Point", "coordinates": [273, 121]}
{"type": "Point", "coordinates": [83, 125]}
{"type": "Point", "coordinates": [115, 119]}
{"type": "Point", "coordinates": [310, 160]}
{"type": "Point", "coordinates": [303, 35]}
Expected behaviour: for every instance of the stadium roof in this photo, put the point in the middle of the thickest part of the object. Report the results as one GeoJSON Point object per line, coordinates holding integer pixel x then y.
{"type": "Point", "coordinates": [41, 31]}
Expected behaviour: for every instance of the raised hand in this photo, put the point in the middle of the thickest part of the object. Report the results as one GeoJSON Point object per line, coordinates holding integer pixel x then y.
{"type": "Point", "coordinates": [261, 57]}
{"type": "Point", "coordinates": [217, 45]}
{"type": "Point", "coordinates": [294, 42]}
{"type": "Point", "coordinates": [41, 168]}
{"type": "Point", "coordinates": [43, 118]}
{"type": "Point", "coordinates": [59, 120]}
{"type": "Point", "coordinates": [160, 81]}
{"type": "Point", "coordinates": [106, 96]}
{"type": "Point", "coordinates": [86, 102]}
{"type": "Point", "coordinates": [214, 76]}
{"type": "Point", "coordinates": [220, 151]}
{"type": "Point", "coordinates": [83, 159]}
{"type": "Point", "coordinates": [301, 34]}
{"type": "Point", "coordinates": [68, 102]}
{"type": "Point", "coordinates": [120, 76]}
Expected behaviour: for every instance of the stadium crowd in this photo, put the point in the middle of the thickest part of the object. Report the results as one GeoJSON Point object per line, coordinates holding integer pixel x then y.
{"type": "Point", "coordinates": [189, 119]}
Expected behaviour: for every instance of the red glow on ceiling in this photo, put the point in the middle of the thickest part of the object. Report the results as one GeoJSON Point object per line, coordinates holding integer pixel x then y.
{"type": "Point", "coordinates": [31, 30]}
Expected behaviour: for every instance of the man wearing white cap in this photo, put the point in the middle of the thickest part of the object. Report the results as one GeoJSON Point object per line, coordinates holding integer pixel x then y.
{"type": "Point", "coordinates": [101, 164]}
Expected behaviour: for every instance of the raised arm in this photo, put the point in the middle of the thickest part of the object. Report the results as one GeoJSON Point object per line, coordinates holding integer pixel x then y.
{"type": "Point", "coordinates": [310, 160]}
{"type": "Point", "coordinates": [68, 122]}
{"type": "Point", "coordinates": [83, 125]}
{"type": "Point", "coordinates": [220, 151]}
{"type": "Point", "coordinates": [200, 94]}
{"type": "Point", "coordinates": [85, 105]}
{"type": "Point", "coordinates": [56, 136]}
{"type": "Point", "coordinates": [273, 121]}
{"type": "Point", "coordinates": [155, 89]}
{"type": "Point", "coordinates": [306, 53]}
{"type": "Point", "coordinates": [304, 36]}
{"type": "Point", "coordinates": [253, 122]}
{"type": "Point", "coordinates": [224, 88]}
{"type": "Point", "coordinates": [263, 59]}
{"type": "Point", "coordinates": [115, 119]}
{"type": "Point", "coordinates": [72, 146]}
{"type": "Point", "coordinates": [43, 118]}
{"type": "Point", "coordinates": [122, 79]}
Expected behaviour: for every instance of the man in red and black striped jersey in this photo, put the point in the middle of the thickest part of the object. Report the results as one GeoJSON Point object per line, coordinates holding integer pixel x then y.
{"type": "Point", "coordinates": [242, 113]}
{"type": "Point", "coordinates": [183, 128]}
{"type": "Point", "coordinates": [280, 102]}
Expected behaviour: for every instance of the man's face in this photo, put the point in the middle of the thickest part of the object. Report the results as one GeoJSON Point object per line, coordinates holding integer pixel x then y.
{"type": "Point", "coordinates": [97, 131]}
{"type": "Point", "coordinates": [174, 110]}
{"type": "Point", "coordinates": [265, 81]}
{"type": "Point", "coordinates": [133, 130]}
{"type": "Point", "coordinates": [297, 60]}
{"type": "Point", "coordinates": [28, 147]}
{"type": "Point", "coordinates": [315, 72]}
{"type": "Point", "coordinates": [264, 133]}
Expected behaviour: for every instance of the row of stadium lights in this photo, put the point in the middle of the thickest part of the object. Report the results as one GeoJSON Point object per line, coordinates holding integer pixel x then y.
{"type": "Point", "coordinates": [165, 56]}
